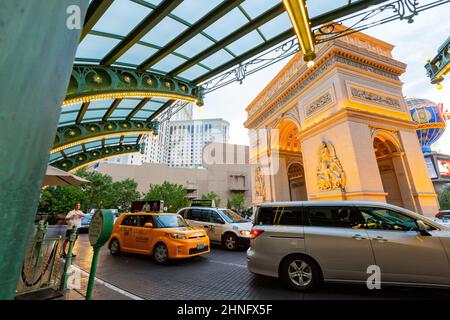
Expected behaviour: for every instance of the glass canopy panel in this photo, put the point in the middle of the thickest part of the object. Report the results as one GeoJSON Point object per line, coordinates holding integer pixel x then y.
{"type": "Point", "coordinates": [100, 104]}
{"type": "Point", "coordinates": [246, 43]}
{"type": "Point", "coordinates": [320, 7]}
{"type": "Point", "coordinates": [121, 17]}
{"type": "Point", "coordinates": [94, 115]}
{"type": "Point", "coordinates": [71, 108]}
{"type": "Point", "coordinates": [120, 114]}
{"type": "Point", "coordinates": [168, 63]}
{"type": "Point", "coordinates": [255, 8]}
{"type": "Point", "coordinates": [193, 10]}
{"type": "Point", "coordinates": [128, 103]}
{"type": "Point", "coordinates": [196, 45]}
{"type": "Point", "coordinates": [164, 32]}
{"type": "Point", "coordinates": [129, 140]}
{"type": "Point", "coordinates": [144, 114]}
{"type": "Point", "coordinates": [137, 54]}
{"type": "Point", "coordinates": [153, 2]}
{"type": "Point", "coordinates": [95, 47]}
{"type": "Point", "coordinates": [55, 156]}
{"type": "Point", "coordinates": [110, 141]}
{"type": "Point", "coordinates": [73, 150]}
{"type": "Point", "coordinates": [276, 26]}
{"type": "Point", "coordinates": [217, 59]}
{"type": "Point", "coordinates": [67, 118]}
{"type": "Point", "coordinates": [159, 100]}
{"type": "Point", "coordinates": [230, 22]}
{"type": "Point", "coordinates": [93, 145]}
{"type": "Point", "coordinates": [193, 72]}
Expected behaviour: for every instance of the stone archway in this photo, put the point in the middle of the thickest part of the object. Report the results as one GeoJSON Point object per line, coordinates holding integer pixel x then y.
{"type": "Point", "coordinates": [289, 181]}
{"type": "Point", "coordinates": [297, 183]}
{"type": "Point", "coordinates": [391, 168]}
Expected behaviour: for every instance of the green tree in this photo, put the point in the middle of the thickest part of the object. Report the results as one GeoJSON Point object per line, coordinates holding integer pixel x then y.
{"type": "Point", "coordinates": [174, 195]}
{"type": "Point", "coordinates": [444, 199]}
{"type": "Point", "coordinates": [99, 192]}
{"type": "Point", "coordinates": [61, 199]}
{"type": "Point", "coordinates": [237, 201]}
{"type": "Point", "coordinates": [124, 193]}
{"type": "Point", "coordinates": [212, 196]}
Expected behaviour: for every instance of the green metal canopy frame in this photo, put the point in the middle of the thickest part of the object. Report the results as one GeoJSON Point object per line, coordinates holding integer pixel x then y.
{"type": "Point", "coordinates": [90, 82]}
{"type": "Point", "coordinates": [78, 161]}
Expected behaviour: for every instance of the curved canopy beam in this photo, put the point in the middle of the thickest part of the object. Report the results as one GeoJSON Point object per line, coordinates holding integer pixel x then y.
{"type": "Point", "coordinates": [77, 134]}
{"type": "Point", "coordinates": [81, 160]}
{"type": "Point", "coordinates": [92, 82]}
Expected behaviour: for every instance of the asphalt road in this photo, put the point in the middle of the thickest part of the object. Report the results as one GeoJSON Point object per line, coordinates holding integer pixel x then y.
{"type": "Point", "coordinates": [221, 275]}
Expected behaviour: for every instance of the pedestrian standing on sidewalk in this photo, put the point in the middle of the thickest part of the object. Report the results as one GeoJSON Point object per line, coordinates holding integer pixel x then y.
{"type": "Point", "coordinates": [73, 218]}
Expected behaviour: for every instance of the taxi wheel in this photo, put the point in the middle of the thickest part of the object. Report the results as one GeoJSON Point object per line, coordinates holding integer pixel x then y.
{"type": "Point", "coordinates": [160, 253]}
{"type": "Point", "coordinates": [230, 242]}
{"type": "Point", "coordinates": [114, 247]}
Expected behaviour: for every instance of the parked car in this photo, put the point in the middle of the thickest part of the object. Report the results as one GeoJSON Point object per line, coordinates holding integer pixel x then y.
{"type": "Point", "coordinates": [85, 222]}
{"type": "Point", "coordinates": [222, 225]}
{"type": "Point", "coordinates": [162, 235]}
{"type": "Point", "coordinates": [305, 243]}
{"type": "Point", "coordinates": [443, 216]}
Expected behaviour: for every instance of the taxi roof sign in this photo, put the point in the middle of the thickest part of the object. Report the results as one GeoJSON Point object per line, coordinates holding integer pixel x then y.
{"type": "Point", "coordinates": [147, 206]}
{"type": "Point", "coordinates": [203, 203]}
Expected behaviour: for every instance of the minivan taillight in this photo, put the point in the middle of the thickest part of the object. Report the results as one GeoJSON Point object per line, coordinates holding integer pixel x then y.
{"type": "Point", "coordinates": [255, 233]}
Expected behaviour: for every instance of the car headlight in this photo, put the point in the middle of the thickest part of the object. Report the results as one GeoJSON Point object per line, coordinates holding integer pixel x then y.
{"type": "Point", "coordinates": [245, 233]}
{"type": "Point", "coordinates": [177, 236]}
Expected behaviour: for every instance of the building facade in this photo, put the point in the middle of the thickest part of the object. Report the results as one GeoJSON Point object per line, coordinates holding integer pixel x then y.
{"type": "Point", "coordinates": [226, 172]}
{"type": "Point", "coordinates": [340, 130]}
{"type": "Point", "coordinates": [186, 140]}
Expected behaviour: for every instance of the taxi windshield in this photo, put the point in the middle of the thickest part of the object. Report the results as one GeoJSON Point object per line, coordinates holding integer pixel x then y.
{"type": "Point", "coordinates": [169, 221]}
{"type": "Point", "coordinates": [231, 216]}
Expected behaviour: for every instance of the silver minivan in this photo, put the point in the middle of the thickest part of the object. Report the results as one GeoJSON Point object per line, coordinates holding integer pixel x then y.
{"type": "Point", "coordinates": [305, 243]}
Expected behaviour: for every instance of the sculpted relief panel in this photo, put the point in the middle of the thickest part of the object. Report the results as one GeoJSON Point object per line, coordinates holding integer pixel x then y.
{"type": "Point", "coordinates": [330, 173]}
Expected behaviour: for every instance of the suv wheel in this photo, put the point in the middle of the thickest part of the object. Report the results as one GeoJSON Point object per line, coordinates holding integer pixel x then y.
{"type": "Point", "coordinates": [160, 253]}
{"type": "Point", "coordinates": [114, 247]}
{"type": "Point", "coordinates": [230, 241]}
{"type": "Point", "coordinates": [300, 273]}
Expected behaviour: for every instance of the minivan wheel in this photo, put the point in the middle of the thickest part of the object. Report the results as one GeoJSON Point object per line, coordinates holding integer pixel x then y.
{"type": "Point", "coordinates": [160, 253]}
{"type": "Point", "coordinates": [230, 242]}
{"type": "Point", "coordinates": [114, 247]}
{"type": "Point", "coordinates": [300, 273]}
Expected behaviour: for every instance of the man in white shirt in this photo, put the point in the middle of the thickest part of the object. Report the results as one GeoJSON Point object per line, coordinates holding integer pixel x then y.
{"type": "Point", "coordinates": [73, 218]}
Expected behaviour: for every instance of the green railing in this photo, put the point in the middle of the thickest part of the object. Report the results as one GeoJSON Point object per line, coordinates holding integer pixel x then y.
{"type": "Point", "coordinates": [42, 268]}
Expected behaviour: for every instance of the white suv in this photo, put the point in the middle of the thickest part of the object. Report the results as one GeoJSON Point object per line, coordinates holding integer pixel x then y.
{"type": "Point", "coordinates": [222, 225]}
{"type": "Point", "coordinates": [304, 243]}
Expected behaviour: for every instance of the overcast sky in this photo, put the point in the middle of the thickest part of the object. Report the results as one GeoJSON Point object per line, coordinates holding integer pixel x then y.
{"type": "Point", "coordinates": [413, 42]}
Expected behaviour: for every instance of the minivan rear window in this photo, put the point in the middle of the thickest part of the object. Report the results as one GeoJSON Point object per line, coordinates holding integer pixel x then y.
{"type": "Point", "coordinates": [288, 216]}
{"type": "Point", "coordinates": [337, 217]}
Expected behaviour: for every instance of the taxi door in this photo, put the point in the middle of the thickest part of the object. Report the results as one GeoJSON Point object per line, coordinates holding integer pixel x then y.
{"type": "Point", "coordinates": [142, 235]}
{"type": "Point", "coordinates": [126, 228]}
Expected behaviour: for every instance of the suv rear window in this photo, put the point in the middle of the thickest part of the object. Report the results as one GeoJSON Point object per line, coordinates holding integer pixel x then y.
{"type": "Point", "coordinates": [288, 216]}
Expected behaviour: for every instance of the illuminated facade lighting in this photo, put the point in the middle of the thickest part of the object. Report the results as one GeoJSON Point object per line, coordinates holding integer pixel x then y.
{"type": "Point", "coordinates": [125, 95]}
{"type": "Point", "coordinates": [96, 138]}
{"type": "Point", "coordinates": [98, 160]}
{"type": "Point", "coordinates": [298, 14]}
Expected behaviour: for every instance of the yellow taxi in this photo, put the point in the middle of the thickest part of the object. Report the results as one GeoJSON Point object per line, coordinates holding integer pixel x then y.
{"type": "Point", "coordinates": [163, 235]}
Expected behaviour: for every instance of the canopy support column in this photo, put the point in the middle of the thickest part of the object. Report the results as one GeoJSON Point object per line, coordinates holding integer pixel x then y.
{"type": "Point", "coordinates": [37, 54]}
